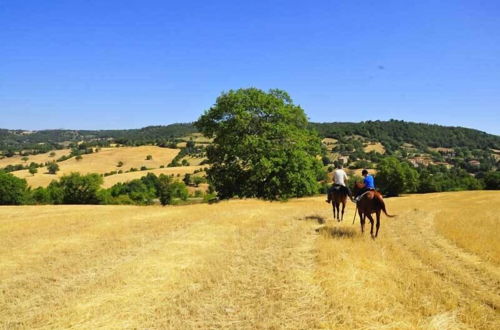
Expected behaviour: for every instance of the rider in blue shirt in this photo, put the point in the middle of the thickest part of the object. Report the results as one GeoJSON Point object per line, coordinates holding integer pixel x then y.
{"type": "Point", "coordinates": [369, 184]}
{"type": "Point", "coordinates": [368, 181]}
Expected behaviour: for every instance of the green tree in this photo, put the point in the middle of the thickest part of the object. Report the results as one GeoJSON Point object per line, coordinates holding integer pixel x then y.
{"type": "Point", "coordinates": [80, 189]}
{"type": "Point", "coordinates": [33, 169]}
{"type": "Point", "coordinates": [262, 146]}
{"type": "Point", "coordinates": [41, 196]}
{"type": "Point", "coordinates": [187, 179]}
{"type": "Point", "coordinates": [395, 177]}
{"type": "Point", "coordinates": [13, 190]}
{"type": "Point", "coordinates": [492, 180]}
{"type": "Point", "coordinates": [53, 168]}
{"type": "Point", "coordinates": [163, 190]}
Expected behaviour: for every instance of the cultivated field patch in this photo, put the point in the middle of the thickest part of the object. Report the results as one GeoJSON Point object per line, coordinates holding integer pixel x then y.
{"type": "Point", "coordinates": [248, 264]}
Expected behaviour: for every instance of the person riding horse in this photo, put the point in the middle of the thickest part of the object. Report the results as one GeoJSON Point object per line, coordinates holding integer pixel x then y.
{"type": "Point", "coordinates": [369, 183]}
{"type": "Point", "coordinates": [339, 183]}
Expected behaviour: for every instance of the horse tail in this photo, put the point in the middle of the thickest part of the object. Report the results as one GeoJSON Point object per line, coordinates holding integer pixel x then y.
{"type": "Point", "coordinates": [382, 205]}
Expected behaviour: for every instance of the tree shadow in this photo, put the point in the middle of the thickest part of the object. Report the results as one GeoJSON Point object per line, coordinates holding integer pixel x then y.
{"type": "Point", "coordinates": [321, 220]}
{"type": "Point", "coordinates": [337, 232]}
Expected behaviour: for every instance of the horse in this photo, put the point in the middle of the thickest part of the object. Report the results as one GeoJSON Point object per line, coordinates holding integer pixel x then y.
{"type": "Point", "coordinates": [338, 195]}
{"type": "Point", "coordinates": [370, 202]}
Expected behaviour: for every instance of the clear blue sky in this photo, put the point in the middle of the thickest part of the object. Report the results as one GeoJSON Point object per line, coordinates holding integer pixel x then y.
{"type": "Point", "coordinates": [99, 64]}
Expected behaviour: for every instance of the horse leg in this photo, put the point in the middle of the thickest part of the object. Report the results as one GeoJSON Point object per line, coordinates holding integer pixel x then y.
{"type": "Point", "coordinates": [337, 207]}
{"type": "Point", "coordinates": [362, 221]}
{"type": "Point", "coordinates": [371, 222]}
{"type": "Point", "coordinates": [378, 222]}
{"type": "Point", "coordinates": [343, 209]}
{"type": "Point", "coordinates": [333, 207]}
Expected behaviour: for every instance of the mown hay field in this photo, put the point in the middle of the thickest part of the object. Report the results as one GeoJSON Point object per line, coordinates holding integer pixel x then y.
{"type": "Point", "coordinates": [40, 158]}
{"type": "Point", "coordinates": [111, 180]}
{"type": "Point", "coordinates": [252, 264]}
{"type": "Point", "coordinates": [104, 161]}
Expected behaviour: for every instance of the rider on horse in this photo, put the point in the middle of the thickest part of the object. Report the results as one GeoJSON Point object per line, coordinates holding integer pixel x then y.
{"type": "Point", "coordinates": [369, 183]}
{"type": "Point", "coordinates": [339, 179]}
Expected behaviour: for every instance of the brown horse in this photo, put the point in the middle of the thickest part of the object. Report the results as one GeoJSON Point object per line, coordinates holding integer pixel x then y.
{"type": "Point", "coordinates": [370, 202]}
{"type": "Point", "coordinates": [338, 195]}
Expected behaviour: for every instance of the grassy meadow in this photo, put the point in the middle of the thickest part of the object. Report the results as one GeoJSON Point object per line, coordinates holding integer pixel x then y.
{"type": "Point", "coordinates": [252, 264]}
{"type": "Point", "coordinates": [104, 161]}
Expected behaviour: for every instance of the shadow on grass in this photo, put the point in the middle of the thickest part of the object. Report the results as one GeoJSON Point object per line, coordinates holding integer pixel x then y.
{"type": "Point", "coordinates": [321, 220]}
{"type": "Point", "coordinates": [337, 232]}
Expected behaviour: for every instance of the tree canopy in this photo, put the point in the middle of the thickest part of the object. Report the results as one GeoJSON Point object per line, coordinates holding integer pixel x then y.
{"type": "Point", "coordinates": [262, 146]}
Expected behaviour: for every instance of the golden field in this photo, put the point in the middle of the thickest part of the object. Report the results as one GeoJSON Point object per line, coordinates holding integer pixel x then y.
{"type": "Point", "coordinates": [375, 146]}
{"type": "Point", "coordinates": [111, 180]}
{"type": "Point", "coordinates": [40, 158]}
{"type": "Point", "coordinates": [106, 160]}
{"type": "Point", "coordinates": [252, 264]}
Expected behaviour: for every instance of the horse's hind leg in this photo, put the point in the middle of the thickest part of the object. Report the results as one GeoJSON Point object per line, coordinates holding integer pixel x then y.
{"type": "Point", "coordinates": [362, 221]}
{"type": "Point", "coordinates": [343, 209]}
{"type": "Point", "coordinates": [371, 222]}
{"type": "Point", "coordinates": [378, 223]}
{"type": "Point", "coordinates": [337, 207]}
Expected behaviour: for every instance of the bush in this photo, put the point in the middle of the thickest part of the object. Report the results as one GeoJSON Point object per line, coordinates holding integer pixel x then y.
{"type": "Point", "coordinates": [41, 196]}
{"type": "Point", "coordinates": [492, 180]}
{"type": "Point", "coordinates": [52, 168]}
{"type": "Point", "coordinates": [13, 190]}
{"type": "Point", "coordinates": [80, 189]}
{"type": "Point", "coordinates": [395, 177]}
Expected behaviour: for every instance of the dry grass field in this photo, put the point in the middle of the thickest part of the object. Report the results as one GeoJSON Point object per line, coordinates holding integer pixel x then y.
{"type": "Point", "coordinates": [252, 264]}
{"type": "Point", "coordinates": [104, 161]}
{"type": "Point", "coordinates": [375, 146]}
{"type": "Point", "coordinates": [111, 180]}
{"type": "Point", "coordinates": [40, 158]}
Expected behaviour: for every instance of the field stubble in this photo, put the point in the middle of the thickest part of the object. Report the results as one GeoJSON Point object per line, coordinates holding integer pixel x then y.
{"type": "Point", "coordinates": [250, 264]}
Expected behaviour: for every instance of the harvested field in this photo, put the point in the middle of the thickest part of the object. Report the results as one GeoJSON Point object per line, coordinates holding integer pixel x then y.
{"type": "Point", "coordinates": [251, 264]}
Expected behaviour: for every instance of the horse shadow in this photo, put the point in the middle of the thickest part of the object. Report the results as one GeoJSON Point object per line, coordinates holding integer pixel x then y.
{"type": "Point", "coordinates": [321, 220]}
{"type": "Point", "coordinates": [337, 232]}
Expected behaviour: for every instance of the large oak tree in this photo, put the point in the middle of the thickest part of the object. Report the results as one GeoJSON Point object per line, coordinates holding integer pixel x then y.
{"type": "Point", "coordinates": [262, 146]}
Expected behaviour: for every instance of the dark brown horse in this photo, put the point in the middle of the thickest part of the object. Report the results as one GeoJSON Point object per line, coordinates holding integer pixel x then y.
{"type": "Point", "coordinates": [370, 202]}
{"type": "Point", "coordinates": [338, 195]}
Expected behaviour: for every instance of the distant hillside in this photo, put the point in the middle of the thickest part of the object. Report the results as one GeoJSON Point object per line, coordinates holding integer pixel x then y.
{"type": "Point", "coordinates": [394, 133]}
{"type": "Point", "coordinates": [391, 134]}
{"type": "Point", "coordinates": [19, 139]}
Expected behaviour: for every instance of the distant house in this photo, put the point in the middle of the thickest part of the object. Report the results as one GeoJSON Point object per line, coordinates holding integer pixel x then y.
{"type": "Point", "coordinates": [343, 159]}
{"type": "Point", "coordinates": [474, 163]}
{"type": "Point", "coordinates": [416, 161]}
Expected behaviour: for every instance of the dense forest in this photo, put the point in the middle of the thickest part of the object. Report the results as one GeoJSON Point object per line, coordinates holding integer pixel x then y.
{"type": "Point", "coordinates": [392, 134]}
{"type": "Point", "coordinates": [45, 140]}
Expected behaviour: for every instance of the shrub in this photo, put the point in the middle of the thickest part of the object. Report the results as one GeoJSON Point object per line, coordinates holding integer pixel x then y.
{"type": "Point", "coordinates": [52, 168]}
{"type": "Point", "coordinates": [13, 190]}
{"type": "Point", "coordinates": [492, 180]}
{"type": "Point", "coordinates": [395, 177]}
{"type": "Point", "coordinates": [80, 189]}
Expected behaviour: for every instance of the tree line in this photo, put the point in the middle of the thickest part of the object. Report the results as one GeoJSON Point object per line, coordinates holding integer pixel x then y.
{"type": "Point", "coordinates": [76, 188]}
